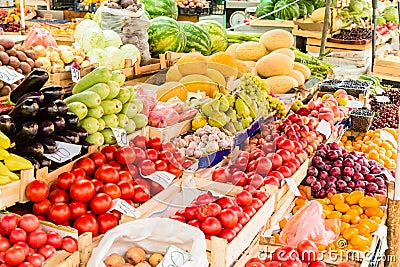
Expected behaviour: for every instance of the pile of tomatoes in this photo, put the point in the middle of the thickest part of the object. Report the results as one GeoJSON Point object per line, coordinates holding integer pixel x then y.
{"type": "Point", "coordinates": [304, 255]}
{"type": "Point", "coordinates": [83, 197]}
{"type": "Point", "coordinates": [23, 242]}
{"type": "Point", "coordinates": [223, 217]}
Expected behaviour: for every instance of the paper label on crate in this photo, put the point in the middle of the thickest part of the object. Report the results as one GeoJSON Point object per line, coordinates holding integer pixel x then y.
{"type": "Point", "coordinates": [9, 76]}
{"type": "Point", "coordinates": [293, 187]}
{"type": "Point", "coordinates": [64, 152]}
{"type": "Point", "coordinates": [120, 136]}
{"type": "Point", "coordinates": [379, 90]}
{"type": "Point", "coordinates": [75, 74]}
{"type": "Point", "coordinates": [175, 257]}
{"type": "Point", "coordinates": [355, 104]}
{"type": "Point", "coordinates": [382, 99]}
{"type": "Point", "coordinates": [134, 59]}
{"type": "Point", "coordinates": [382, 235]}
{"type": "Point", "coordinates": [387, 136]}
{"type": "Point", "coordinates": [324, 128]}
{"type": "Point", "coordinates": [161, 177]}
{"type": "Point", "coordinates": [125, 208]}
{"type": "Point", "coordinates": [48, 16]}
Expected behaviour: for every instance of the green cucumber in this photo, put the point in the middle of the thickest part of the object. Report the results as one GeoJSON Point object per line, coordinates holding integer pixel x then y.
{"type": "Point", "coordinates": [111, 120]}
{"type": "Point", "coordinates": [123, 121]}
{"type": "Point", "coordinates": [129, 109]}
{"type": "Point", "coordinates": [96, 112]}
{"type": "Point", "coordinates": [114, 89]}
{"type": "Point", "coordinates": [99, 75]}
{"type": "Point", "coordinates": [95, 139]}
{"type": "Point", "coordinates": [111, 106]}
{"type": "Point", "coordinates": [118, 76]}
{"type": "Point", "coordinates": [123, 95]}
{"type": "Point", "coordinates": [140, 120]}
{"type": "Point", "coordinates": [102, 124]}
{"type": "Point", "coordinates": [90, 124]}
{"type": "Point", "coordinates": [90, 99]}
{"type": "Point", "coordinates": [109, 137]}
{"type": "Point", "coordinates": [131, 127]}
{"type": "Point", "coordinates": [79, 109]}
{"type": "Point", "coordinates": [101, 89]}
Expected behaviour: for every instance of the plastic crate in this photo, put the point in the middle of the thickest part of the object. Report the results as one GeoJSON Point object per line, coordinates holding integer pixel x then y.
{"type": "Point", "coordinates": [361, 122]}
{"type": "Point", "coordinates": [196, 11]}
{"type": "Point", "coordinates": [218, 7]}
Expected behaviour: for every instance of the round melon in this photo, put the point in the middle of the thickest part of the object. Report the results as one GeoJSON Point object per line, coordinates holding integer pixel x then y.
{"type": "Point", "coordinates": [281, 84]}
{"type": "Point", "coordinates": [192, 63]}
{"type": "Point", "coordinates": [195, 78]}
{"type": "Point", "coordinates": [242, 67]}
{"type": "Point", "coordinates": [165, 34]}
{"type": "Point", "coordinates": [276, 39]}
{"type": "Point", "coordinates": [224, 63]}
{"type": "Point", "coordinates": [172, 89]}
{"type": "Point", "coordinates": [303, 69]}
{"type": "Point", "coordinates": [173, 74]}
{"type": "Point", "coordinates": [298, 76]}
{"type": "Point", "coordinates": [274, 64]}
{"type": "Point", "coordinates": [219, 38]}
{"type": "Point", "coordinates": [216, 76]}
{"type": "Point", "coordinates": [285, 51]}
{"type": "Point", "coordinates": [231, 50]}
{"type": "Point", "coordinates": [158, 8]}
{"type": "Point", "coordinates": [250, 51]}
{"type": "Point", "coordinates": [197, 39]}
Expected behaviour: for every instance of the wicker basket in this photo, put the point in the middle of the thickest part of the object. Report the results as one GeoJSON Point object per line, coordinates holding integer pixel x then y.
{"type": "Point", "coordinates": [361, 122]}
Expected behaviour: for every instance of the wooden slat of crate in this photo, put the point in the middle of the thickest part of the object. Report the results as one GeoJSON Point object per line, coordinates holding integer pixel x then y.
{"type": "Point", "coordinates": [251, 252]}
{"type": "Point", "coordinates": [308, 34]}
{"type": "Point", "coordinates": [156, 64]}
{"type": "Point", "coordinates": [167, 133]}
{"type": "Point", "coordinates": [87, 249]}
{"type": "Point", "coordinates": [316, 42]}
{"type": "Point", "coordinates": [64, 79]}
{"type": "Point", "coordinates": [14, 191]}
{"type": "Point", "coordinates": [63, 259]}
{"type": "Point", "coordinates": [387, 71]}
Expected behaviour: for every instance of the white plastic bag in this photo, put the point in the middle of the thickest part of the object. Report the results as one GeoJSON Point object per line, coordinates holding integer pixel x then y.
{"type": "Point", "coordinates": [152, 235]}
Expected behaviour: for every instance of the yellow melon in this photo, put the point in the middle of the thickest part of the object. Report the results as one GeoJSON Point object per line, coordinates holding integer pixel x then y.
{"type": "Point", "coordinates": [173, 74]}
{"type": "Point", "coordinates": [216, 76]}
{"type": "Point", "coordinates": [192, 63]}
{"type": "Point", "coordinates": [303, 69]}
{"type": "Point", "coordinates": [298, 76]}
{"type": "Point", "coordinates": [207, 87]}
{"type": "Point", "coordinates": [171, 89]}
{"type": "Point", "coordinates": [195, 78]}
{"type": "Point", "coordinates": [242, 67]}
{"type": "Point", "coordinates": [250, 51]}
{"type": "Point", "coordinates": [276, 39]}
{"type": "Point", "coordinates": [281, 84]}
{"type": "Point", "coordinates": [224, 63]}
{"type": "Point", "coordinates": [231, 50]}
{"type": "Point", "coordinates": [285, 51]}
{"type": "Point", "coordinates": [274, 64]}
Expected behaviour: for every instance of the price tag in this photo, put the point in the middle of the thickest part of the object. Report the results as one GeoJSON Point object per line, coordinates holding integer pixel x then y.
{"type": "Point", "coordinates": [175, 257]}
{"type": "Point", "coordinates": [354, 104]}
{"type": "Point", "coordinates": [382, 99]}
{"type": "Point", "coordinates": [379, 90]}
{"type": "Point", "coordinates": [324, 128]}
{"type": "Point", "coordinates": [125, 208]}
{"type": "Point", "coordinates": [64, 152]}
{"type": "Point", "coordinates": [134, 59]}
{"type": "Point", "coordinates": [161, 177]}
{"type": "Point", "coordinates": [48, 16]}
{"type": "Point", "coordinates": [216, 194]}
{"type": "Point", "coordinates": [293, 187]}
{"type": "Point", "coordinates": [120, 136]}
{"type": "Point", "coordinates": [76, 74]}
{"type": "Point", "coordinates": [387, 136]}
{"type": "Point", "coordinates": [382, 235]}
{"type": "Point", "coordinates": [9, 76]}
{"type": "Point", "coordinates": [193, 167]}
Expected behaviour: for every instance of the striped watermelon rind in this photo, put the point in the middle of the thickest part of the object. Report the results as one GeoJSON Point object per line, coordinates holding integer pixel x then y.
{"type": "Point", "coordinates": [302, 9]}
{"type": "Point", "coordinates": [196, 38]}
{"type": "Point", "coordinates": [158, 8]}
{"type": "Point", "coordinates": [289, 13]}
{"type": "Point", "coordinates": [218, 35]}
{"type": "Point", "coordinates": [310, 6]}
{"type": "Point", "coordinates": [265, 8]}
{"type": "Point", "coordinates": [165, 34]}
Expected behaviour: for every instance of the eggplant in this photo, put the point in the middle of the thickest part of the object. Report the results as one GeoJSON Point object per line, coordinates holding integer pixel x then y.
{"type": "Point", "coordinates": [60, 138]}
{"type": "Point", "coordinates": [27, 108]}
{"type": "Point", "coordinates": [28, 130]}
{"type": "Point", "coordinates": [72, 136]}
{"type": "Point", "coordinates": [33, 82]}
{"type": "Point", "coordinates": [82, 133]}
{"type": "Point", "coordinates": [49, 110]}
{"type": "Point", "coordinates": [45, 162]}
{"type": "Point", "coordinates": [35, 149]}
{"type": "Point", "coordinates": [52, 92]}
{"type": "Point", "coordinates": [49, 145]}
{"type": "Point", "coordinates": [59, 123]}
{"type": "Point", "coordinates": [62, 107]}
{"type": "Point", "coordinates": [13, 147]}
{"type": "Point", "coordinates": [46, 127]}
{"type": "Point", "coordinates": [38, 96]}
{"type": "Point", "coordinates": [71, 120]}
{"type": "Point", "coordinates": [7, 124]}
{"type": "Point", "coordinates": [35, 162]}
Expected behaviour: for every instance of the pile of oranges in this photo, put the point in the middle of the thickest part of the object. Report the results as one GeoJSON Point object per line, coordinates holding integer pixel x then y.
{"type": "Point", "coordinates": [373, 145]}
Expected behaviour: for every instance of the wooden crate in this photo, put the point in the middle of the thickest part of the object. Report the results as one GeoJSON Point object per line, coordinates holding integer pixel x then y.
{"type": "Point", "coordinates": [307, 33]}
{"type": "Point", "coordinates": [329, 45]}
{"type": "Point", "coordinates": [144, 131]}
{"type": "Point", "coordinates": [64, 79]}
{"type": "Point", "coordinates": [156, 64]}
{"type": "Point", "coordinates": [64, 39]}
{"type": "Point", "coordinates": [386, 68]}
{"type": "Point", "coordinates": [14, 191]}
{"type": "Point", "coordinates": [167, 133]}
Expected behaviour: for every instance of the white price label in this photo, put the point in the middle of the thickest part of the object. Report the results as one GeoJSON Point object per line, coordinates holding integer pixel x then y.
{"type": "Point", "coordinates": [175, 257]}
{"type": "Point", "coordinates": [120, 136]}
{"type": "Point", "coordinates": [134, 59]}
{"type": "Point", "coordinates": [216, 194]}
{"type": "Point", "coordinates": [293, 187]}
{"type": "Point", "coordinates": [382, 99]}
{"type": "Point", "coordinates": [389, 176]}
{"type": "Point", "coordinates": [389, 137]}
{"type": "Point", "coordinates": [9, 76]}
{"type": "Point", "coordinates": [48, 16]}
{"type": "Point", "coordinates": [354, 104]}
{"type": "Point", "coordinates": [76, 74]}
{"type": "Point", "coordinates": [324, 128]}
{"type": "Point", "coordinates": [64, 152]}
{"type": "Point", "coordinates": [193, 167]}
{"type": "Point", "coordinates": [382, 231]}
{"type": "Point", "coordinates": [125, 208]}
{"type": "Point", "coordinates": [161, 177]}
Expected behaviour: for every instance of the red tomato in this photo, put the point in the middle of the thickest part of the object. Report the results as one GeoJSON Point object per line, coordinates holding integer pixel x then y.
{"type": "Point", "coordinates": [77, 209]}
{"type": "Point", "coordinates": [155, 188]}
{"type": "Point", "coordinates": [98, 158]}
{"type": "Point", "coordinates": [168, 146]}
{"type": "Point", "coordinates": [38, 238]}
{"type": "Point", "coordinates": [125, 176]}
{"type": "Point", "coordinates": [277, 174]}
{"type": "Point", "coordinates": [126, 189]}
{"type": "Point", "coordinates": [14, 256]}
{"type": "Point", "coordinates": [112, 190]}
{"type": "Point", "coordinates": [139, 141]}
{"type": "Point", "coordinates": [272, 264]}
{"type": "Point", "coordinates": [249, 210]}
{"type": "Point", "coordinates": [35, 259]}
{"type": "Point", "coordinates": [79, 174]}
{"type": "Point", "coordinates": [82, 190]}
{"type": "Point", "coordinates": [59, 196]}
{"type": "Point", "coordinates": [4, 244]}
{"type": "Point", "coordinates": [285, 154]}
{"type": "Point", "coordinates": [87, 223]}
{"type": "Point", "coordinates": [205, 198]}
{"type": "Point", "coordinates": [59, 213]}
{"type": "Point", "coordinates": [64, 180]}
{"type": "Point", "coordinates": [109, 152]}
{"type": "Point", "coordinates": [8, 223]}
{"type": "Point", "coordinates": [190, 212]}
{"type": "Point", "coordinates": [221, 175]}
{"type": "Point", "coordinates": [317, 264]}
{"type": "Point", "coordinates": [345, 264]}
{"type": "Point", "coordinates": [47, 251]}
{"type": "Point", "coordinates": [227, 234]}
{"type": "Point", "coordinates": [101, 203]}
{"type": "Point", "coordinates": [271, 180]}
{"type": "Point", "coordinates": [97, 184]}
{"type": "Point", "coordinates": [285, 253]}
{"type": "Point", "coordinates": [254, 264]}
{"type": "Point", "coordinates": [308, 250]}
{"type": "Point", "coordinates": [107, 174]}
{"type": "Point", "coordinates": [291, 263]}
{"type": "Point", "coordinates": [178, 218]}
{"type": "Point", "coordinates": [142, 182]}
{"type": "Point", "coordinates": [146, 167]}
{"type": "Point", "coordinates": [17, 235]}
{"type": "Point", "coordinates": [177, 171]}
{"type": "Point", "coordinates": [54, 239]}
{"type": "Point", "coordinates": [25, 264]}
{"type": "Point", "coordinates": [37, 191]}
{"type": "Point", "coordinates": [228, 218]}
{"type": "Point", "coordinates": [194, 223]}
{"type": "Point", "coordinates": [140, 155]}
{"type": "Point", "coordinates": [69, 244]}
{"type": "Point", "coordinates": [291, 166]}
{"type": "Point", "coordinates": [152, 154]}
{"type": "Point", "coordinates": [29, 223]}
{"type": "Point", "coordinates": [243, 198]}
{"type": "Point", "coordinates": [25, 246]}
{"type": "Point", "coordinates": [215, 208]}
{"type": "Point", "coordinates": [237, 228]}
{"type": "Point", "coordinates": [285, 171]}
{"type": "Point", "coordinates": [256, 204]}
{"type": "Point", "coordinates": [133, 171]}
{"type": "Point", "coordinates": [211, 226]}
{"type": "Point", "coordinates": [107, 222]}
{"type": "Point", "coordinates": [261, 195]}
{"type": "Point", "coordinates": [239, 178]}
{"type": "Point", "coordinates": [116, 214]}
{"type": "Point", "coordinates": [86, 164]}
{"type": "Point", "coordinates": [125, 155]}
{"type": "Point", "coordinates": [41, 208]}
{"type": "Point", "coordinates": [225, 202]}
{"type": "Point", "coordinates": [161, 165]}
{"type": "Point", "coordinates": [167, 156]}
{"type": "Point", "coordinates": [155, 143]}
{"type": "Point", "coordinates": [203, 212]}
{"type": "Point", "coordinates": [115, 165]}
{"type": "Point", "coordinates": [255, 181]}
{"type": "Point", "coordinates": [238, 210]}
{"type": "Point", "coordinates": [287, 145]}
{"type": "Point", "coordinates": [180, 158]}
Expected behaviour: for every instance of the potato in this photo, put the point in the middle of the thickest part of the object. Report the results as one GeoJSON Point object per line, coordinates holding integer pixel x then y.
{"type": "Point", "coordinates": [7, 44]}
{"type": "Point", "coordinates": [1, 84]}
{"type": "Point", "coordinates": [5, 90]}
{"type": "Point", "coordinates": [18, 70]}
{"type": "Point", "coordinates": [25, 67]}
{"type": "Point", "coordinates": [2, 48]}
{"type": "Point", "coordinates": [19, 48]}
{"type": "Point", "coordinates": [11, 52]}
{"type": "Point", "coordinates": [14, 62]}
{"type": "Point", "coordinates": [13, 86]}
{"type": "Point", "coordinates": [31, 54]}
{"type": "Point", "coordinates": [21, 56]}
{"type": "Point", "coordinates": [38, 64]}
{"type": "Point", "coordinates": [4, 58]}
{"type": "Point", "coordinates": [30, 62]}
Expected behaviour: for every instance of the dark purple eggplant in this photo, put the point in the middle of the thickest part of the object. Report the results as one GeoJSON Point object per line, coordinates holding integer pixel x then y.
{"type": "Point", "coordinates": [72, 136]}
{"type": "Point", "coordinates": [49, 145]}
{"type": "Point", "coordinates": [71, 120]}
{"type": "Point", "coordinates": [45, 162]}
{"type": "Point", "coordinates": [33, 82]}
{"type": "Point", "coordinates": [13, 147]}
{"type": "Point", "coordinates": [35, 149]}
{"type": "Point", "coordinates": [27, 108]}
{"type": "Point", "coordinates": [52, 92]}
{"type": "Point", "coordinates": [35, 162]}
{"type": "Point", "coordinates": [82, 133]}
{"type": "Point", "coordinates": [28, 130]}
{"type": "Point", "coordinates": [46, 128]}
{"type": "Point", "coordinates": [60, 138]}
{"type": "Point", "coordinates": [62, 108]}
{"type": "Point", "coordinates": [7, 124]}
{"type": "Point", "coordinates": [49, 110]}
{"type": "Point", "coordinates": [38, 96]}
{"type": "Point", "coordinates": [59, 123]}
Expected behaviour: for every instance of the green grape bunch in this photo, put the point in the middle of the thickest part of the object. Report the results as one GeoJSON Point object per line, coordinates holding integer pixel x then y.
{"type": "Point", "coordinates": [277, 105]}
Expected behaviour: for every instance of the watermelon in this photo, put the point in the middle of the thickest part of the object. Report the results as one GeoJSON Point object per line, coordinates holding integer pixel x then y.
{"type": "Point", "coordinates": [289, 13]}
{"type": "Point", "coordinates": [319, 3]}
{"type": "Point", "coordinates": [196, 38]}
{"type": "Point", "coordinates": [310, 6]}
{"type": "Point", "coordinates": [265, 8]}
{"type": "Point", "coordinates": [219, 38]}
{"type": "Point", "coordinates": [165, 34]}
{"type": "Point", "coordinates": [302, 9]}
{"type": "Point", "coordinates": [158, 8]}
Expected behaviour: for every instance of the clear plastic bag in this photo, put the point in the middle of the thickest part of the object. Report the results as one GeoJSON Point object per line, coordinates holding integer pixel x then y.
{"type": "Point", "coordinates": [39, 36]}
{"type": "Point", "coordinates": [163, 116]}
{"type": "Point", "coordinates": [147, 96]}
{"type": "Point", "coordinates": [309, 224]}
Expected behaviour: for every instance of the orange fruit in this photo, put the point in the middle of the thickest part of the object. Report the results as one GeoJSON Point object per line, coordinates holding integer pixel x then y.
{"type": "Point", "coordinates": [300, 202]}
{"type": "Point", "coordinates": [368, 202]}
{"type": "Point", "coordinates": [336, 199]}
{"type": "Point", "coordinates": [346, 218]}
{"type": "Point", "coordinates": [374, 212]}
{"type": "Point", "coordinates": [363, 229]}
{"type": "Point", "coordinates": [342, 207]}
{"type": "Point", "coordinates": [373, 154]}
{"type": "Point", "coordinates": [321, 247]}
{"type": "Point", "coordinates": [334, 215]}
{"type": "Point", "coordinates": [349, 233]}
{"type": "Point", "coordinates": [295, 209]}
{"type": "Point", "coordinates": [343, 227]}
{"type": "Point", "coordinates": [358, 209]}
{"type": "Point", "coordinates": [355, 220]}
{"type": "Point", "coordinates": [354, 197]}
{"type": "Point", "coordinates": [362, 248]}
{"type": "Point", "coordinates": [376, 219]}
{"type": "Point", "coordinates": [359, 240]}
{"type": "Point", "coordinates": [373, 226]}
{"type": "Point", "coordinates": [303, 195]}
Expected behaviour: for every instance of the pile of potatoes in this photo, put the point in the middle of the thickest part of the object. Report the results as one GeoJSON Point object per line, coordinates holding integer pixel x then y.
{"type": "Point", "coordinates": [134, 257]}
{"type": "Point", "coordinates": [16, 58]}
